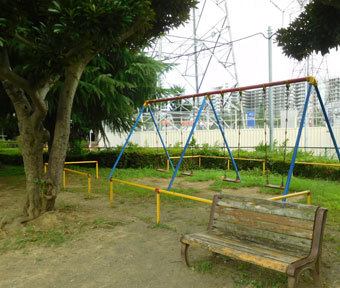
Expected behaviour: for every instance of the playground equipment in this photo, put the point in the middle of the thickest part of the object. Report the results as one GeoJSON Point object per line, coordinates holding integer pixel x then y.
{"type": "Point", "coordinates": [207, 97]}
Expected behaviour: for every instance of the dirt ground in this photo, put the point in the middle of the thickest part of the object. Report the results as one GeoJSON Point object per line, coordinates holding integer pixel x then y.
{"type": "Point", "coordinates": [121, 246]}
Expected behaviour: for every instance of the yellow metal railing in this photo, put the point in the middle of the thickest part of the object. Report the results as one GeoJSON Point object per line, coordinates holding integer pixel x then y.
{"type": "Point", "coordinates": [247, 159]}
{"type": "Point", "coordinates": [219, 157]}
{"type": "Point", "coordinates": [307, 192]}
{"type": "Point", "coordinates": [159, 191]}
{"type": "Point", "coordinates": [80, 173]}
{"type": "Point", "coordinates": [318, 164]}
{"type": "Point", "coordinates": [77, 162]}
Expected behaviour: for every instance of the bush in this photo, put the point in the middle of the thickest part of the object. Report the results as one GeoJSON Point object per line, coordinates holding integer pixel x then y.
{"type": "Point", "coordinates": [137, 157]}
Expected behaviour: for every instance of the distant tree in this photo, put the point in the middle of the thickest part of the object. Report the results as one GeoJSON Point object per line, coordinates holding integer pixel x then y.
{"type": "Point", "coordinates": [55, 41]}
{"type": "Point", "coordinates": [112, 87]}
{"type": "Point", "coordinates": [317, 29]}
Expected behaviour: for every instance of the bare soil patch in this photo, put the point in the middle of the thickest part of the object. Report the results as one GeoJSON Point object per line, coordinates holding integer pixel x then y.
{"type": "Point", "coordinates": [121, 246]}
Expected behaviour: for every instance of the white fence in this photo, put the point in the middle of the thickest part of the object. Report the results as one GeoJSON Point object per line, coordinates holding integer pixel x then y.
{"type": "Point", "coordinates": [316, 137]}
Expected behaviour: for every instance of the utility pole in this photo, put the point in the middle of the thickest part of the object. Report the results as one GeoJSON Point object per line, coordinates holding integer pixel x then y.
{"type": "Point", "coordinates": [195, 49]}
{"type": "Point", "coordinates": [271, 112]}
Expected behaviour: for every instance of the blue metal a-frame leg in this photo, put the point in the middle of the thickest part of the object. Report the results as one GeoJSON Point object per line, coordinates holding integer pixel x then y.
{"type": "Point", "coordinates": [187, 143]}
{"type": "Point", "coordinates": [127, 141]}
{"type": "Point", "coordinates": [328, 123]}
{"type": "Point", "coordinates": [291, 168]}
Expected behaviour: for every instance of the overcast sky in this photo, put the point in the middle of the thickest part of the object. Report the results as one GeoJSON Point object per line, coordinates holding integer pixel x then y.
{"type": "Point", "coordinates": [247, 17]}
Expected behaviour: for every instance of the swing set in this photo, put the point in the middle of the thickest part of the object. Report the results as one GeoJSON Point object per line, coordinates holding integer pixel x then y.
{"type": "Point", "coordinates": [207, 97]}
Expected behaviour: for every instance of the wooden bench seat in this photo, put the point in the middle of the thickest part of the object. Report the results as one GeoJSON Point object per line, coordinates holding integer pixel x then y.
{"type": "Point", "coordinates": [285, 237]}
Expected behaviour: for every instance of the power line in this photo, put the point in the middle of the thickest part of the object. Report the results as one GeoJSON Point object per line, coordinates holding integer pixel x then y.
{"type": "Point", "coordinates": [217, 46]}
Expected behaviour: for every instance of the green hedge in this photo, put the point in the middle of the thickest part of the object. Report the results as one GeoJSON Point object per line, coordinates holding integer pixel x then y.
{"type": "Point", "coordinates": [153, 158]}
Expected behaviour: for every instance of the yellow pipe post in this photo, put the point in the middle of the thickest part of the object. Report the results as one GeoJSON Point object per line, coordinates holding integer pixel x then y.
{"type": "Point", "coordinates": [64, 178]}
{"type": "Point", "coordinates": [158, 200]}
{"type": "Point", "coordinates": [89, 185]}
{"type": "Point", "coordinates": [309, 196]}
{"type": "Point", "coordinates": [97, 170]}
{"type": "Point", "coordinates": [45, 168]}
{"type": "Point", "coordinates": [111, 192]}
{"type": "Point", "coordinates": [228, 165]}
{"type": "Point", "coordinates": [264, 168]}
{"type": "Point", "coordinates": [167, 165]}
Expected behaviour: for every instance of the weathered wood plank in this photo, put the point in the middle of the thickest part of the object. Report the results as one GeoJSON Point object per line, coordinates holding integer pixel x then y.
{"type": "Point", "coordinates": [241, 214]}
{"type": "Point", "coordinates": [245, 246]}
{"type": "Point", "coordinates": [298, 211]}
{"type": "Point", "coordinates": [269, 238]}
{"type": "Point", "coordinates": [262, 221]}
{"type": "Point", "coordinates": [265, 226]}
{"type": "Point", "coordinates": [243, 251]}
{"type": "Point", "coordinates": [264, 202]}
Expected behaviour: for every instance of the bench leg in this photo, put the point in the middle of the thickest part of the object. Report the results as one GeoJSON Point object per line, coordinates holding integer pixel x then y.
{"type": "Point", "coordinates": [184, 253]}
{"type": "Point", "coordinates": [317, 272]}
{"type": "Point", "coordinates": [291, 282]}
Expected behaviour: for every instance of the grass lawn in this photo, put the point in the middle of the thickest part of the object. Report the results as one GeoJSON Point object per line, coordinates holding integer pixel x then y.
{"type": "Point", "coordinates": [178, 215]}
{"type": "Point", "coordinates": [324, 193]}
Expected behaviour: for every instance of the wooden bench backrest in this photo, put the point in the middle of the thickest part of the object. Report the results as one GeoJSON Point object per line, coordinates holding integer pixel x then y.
{"type": "Point", "coordinates": [281, 225]}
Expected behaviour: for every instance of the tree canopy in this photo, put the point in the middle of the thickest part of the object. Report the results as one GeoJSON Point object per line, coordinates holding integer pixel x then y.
{"type": "Point", "coordinates": [45, 46]}
{"type": "Point", "coordinates": [112, 88]}
{"type": "Point", "coordinates": [317, 29]}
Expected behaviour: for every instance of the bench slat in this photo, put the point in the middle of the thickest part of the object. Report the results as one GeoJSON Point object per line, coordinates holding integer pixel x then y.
{"type": "Point", "coordinates": [267, 222]}
{"type": "Point", "coordinates": [268, 238]}
{"type": "Point", "coordinates": [241, 214]}
{"type": "Point", "coordinates": [299, 211]}
{"type": "Point", "coordinates": [241, 250]}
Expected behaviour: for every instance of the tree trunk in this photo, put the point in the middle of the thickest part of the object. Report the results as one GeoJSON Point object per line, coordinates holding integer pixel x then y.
{"type": "Point", "coordinates": [62, 127]}
{"type": "Point", "coordinates": [32, 139]}
{"type": "Point", "coordinates": [41, 189]}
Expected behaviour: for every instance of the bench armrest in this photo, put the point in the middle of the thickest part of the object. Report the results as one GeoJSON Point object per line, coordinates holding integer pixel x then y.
{"type": "Point", "coordinates": [315, 253]}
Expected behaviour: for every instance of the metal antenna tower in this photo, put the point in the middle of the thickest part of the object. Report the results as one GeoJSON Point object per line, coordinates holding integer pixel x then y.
{"type": "Point", "coordinates": [201, 50]}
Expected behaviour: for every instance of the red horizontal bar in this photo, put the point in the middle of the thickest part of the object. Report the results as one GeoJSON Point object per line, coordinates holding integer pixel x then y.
{"type": "Point", "coordinates": [290, 81]}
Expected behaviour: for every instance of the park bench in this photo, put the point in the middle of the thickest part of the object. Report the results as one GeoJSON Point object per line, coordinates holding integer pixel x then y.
{"type": "Point", "coordinates": [286, 237]}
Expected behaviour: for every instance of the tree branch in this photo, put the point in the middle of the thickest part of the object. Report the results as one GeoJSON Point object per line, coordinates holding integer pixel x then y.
{"type": "Point", "coordinates": [6, 73]}
{"type": "Point", "coordinates": [39, 96]}
{"type": "Point", "coordinates": [77, 49]}
{"type": "Point", "coordinates": [25, 41]}
{"type": "Point", "coordinates": [127, 34]}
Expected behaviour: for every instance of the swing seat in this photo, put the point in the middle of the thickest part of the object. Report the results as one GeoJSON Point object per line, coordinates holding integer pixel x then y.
{"type": "Point", "coordinates": [274, 186]}
{"type": "Point", "coordinates": [231, 180]}
{"type": "Point", "coordinates": [162, 170]}
{"type": "Point", "coordinates": [187, 173]}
